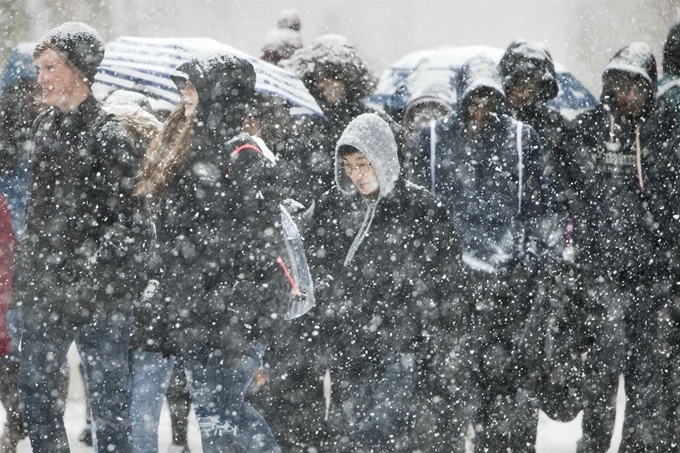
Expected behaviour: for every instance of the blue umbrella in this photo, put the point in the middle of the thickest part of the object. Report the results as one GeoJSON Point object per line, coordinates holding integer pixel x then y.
{"type": "Point", "coordinates": [20, 65]}
{"type": "Point", "coordinates": [145, 65]}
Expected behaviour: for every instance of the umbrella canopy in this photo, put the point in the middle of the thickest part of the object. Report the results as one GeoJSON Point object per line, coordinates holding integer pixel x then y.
{"type": "Point", "coordinates": [145, 65]}
{"type": "Point", "coordinates": [20, 65]}
{"type": "Point", "coordinates": [413, 72]}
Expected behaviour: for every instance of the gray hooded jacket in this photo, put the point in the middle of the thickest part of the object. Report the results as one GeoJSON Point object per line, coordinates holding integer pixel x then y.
{"type": "Point", "coordinates": [371, 135]}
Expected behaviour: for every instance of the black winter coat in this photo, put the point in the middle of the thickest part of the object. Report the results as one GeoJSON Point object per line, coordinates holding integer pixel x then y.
{"type": "Point", "coordinates": [218, 234]}
{"type": "Point", "coordinates": [622, 229]}
{"type": "Point", "coordinates": [75, 257]}
{"type": "Point", "coordinates": [406, 271]}
{"type": "Point", "coordinates": [498, 219]}
{"type": "Point", "coordinates": [220, 243]}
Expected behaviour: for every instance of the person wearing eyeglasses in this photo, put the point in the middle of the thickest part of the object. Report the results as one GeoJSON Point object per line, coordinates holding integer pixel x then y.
{"type": "Point", "coordinates": [386, 261]}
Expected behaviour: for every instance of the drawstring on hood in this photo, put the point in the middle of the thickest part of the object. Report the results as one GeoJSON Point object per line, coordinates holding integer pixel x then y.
{"type": "Point", "coordinates": [638, 157]}
{"type": "Point", "coordinates": [372, 136]}
{"type": "Point", "coordinates": [638, 147]}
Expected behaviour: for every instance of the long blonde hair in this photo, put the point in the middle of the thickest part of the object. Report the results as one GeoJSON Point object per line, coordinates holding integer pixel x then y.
{"type": "Point", "coordinates": [166, 154]}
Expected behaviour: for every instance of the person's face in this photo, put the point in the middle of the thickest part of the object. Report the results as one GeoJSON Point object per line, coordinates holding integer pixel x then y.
{"type": "Point", "coordinates": [251, 125]}
{"type": "Point", "coordinates": [522, 93]}
{"type": "Point", "coordinates": [479, 108]}
{"type": "Point", "coordinates": [331, 89]}
{"type": "Point", "coordinates": [629, 96]}
{"type": "Point", "coordinates": [190, 98]}
{"type": "Point", "coordinates": [59, 82]}
{"type": "Point", "coordinates": [359, 169]}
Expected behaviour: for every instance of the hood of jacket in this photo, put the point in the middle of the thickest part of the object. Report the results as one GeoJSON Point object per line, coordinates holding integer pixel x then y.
{"type": "Point", "coordinates": [225, 86]}
{"type": "Point", "coordinates": [636, 60]}
{"type": "Point", "coordinates": [429, 86]}
{"type": "Point", "coordinates": [671, 52]}
{"type": "Point", "coordinates": [525, 60]}
{"type": "Point", "coordinates": [371, 135]}
{"type": "Point", "coordinates": [332, 55]}
{"type": "Point", "coordinates": [479, 73]}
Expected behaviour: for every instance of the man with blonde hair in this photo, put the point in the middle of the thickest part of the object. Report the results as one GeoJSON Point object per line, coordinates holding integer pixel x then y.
{"type": "Point", "coordinates": [72, 271]}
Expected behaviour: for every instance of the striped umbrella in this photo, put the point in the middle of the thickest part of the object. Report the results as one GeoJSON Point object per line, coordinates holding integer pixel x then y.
{"type": "Point", "coordinates": [145, 65]}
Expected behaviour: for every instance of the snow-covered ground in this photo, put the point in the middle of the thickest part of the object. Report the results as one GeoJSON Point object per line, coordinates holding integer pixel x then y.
{"type": "Point", "coordinates": [553, 437]}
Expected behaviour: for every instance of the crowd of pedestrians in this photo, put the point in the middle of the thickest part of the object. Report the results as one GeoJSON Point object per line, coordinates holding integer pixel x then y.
{"type": "Point", "coordinates": [477, 259]}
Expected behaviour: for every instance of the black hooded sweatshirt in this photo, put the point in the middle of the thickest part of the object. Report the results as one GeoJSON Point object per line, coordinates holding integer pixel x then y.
{"type": "Point", "coordinates": [217, 238]}
{"type": "Point", "coordinates": [528, 60]}
{"type": "Point", "coordinates": [385, 269]}
{"type": "Point", "coordinates": [623, 168]}
{"type": "Point", "coordinates": [74, 258]}
{"type": "Point", "coordinates": [496, 213]}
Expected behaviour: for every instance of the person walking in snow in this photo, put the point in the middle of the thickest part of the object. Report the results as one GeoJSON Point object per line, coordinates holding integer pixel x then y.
{"type": "Point", "coordinates": [215, 246]}
{"type": "Point", "coordinates": [386, 260]}
{"type": "Point", "coordinates": [71, 277]}
{"type": "Point", "coordinates": [529, 80]}
{"type": "Point", "coordinates": [623, 154]}
{"type": "Point", "coordinates": [20, 104]}
{"type": "Point", "coordinates": [13, 431]}
{"type": "Point", "coordinates": [489, 170]}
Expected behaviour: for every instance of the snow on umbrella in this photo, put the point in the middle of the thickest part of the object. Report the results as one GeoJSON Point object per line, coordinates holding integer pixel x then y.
{"type": "Point", "coordinates": [145, 65]}
{"type": "Point", "coordinates": [405, 77]}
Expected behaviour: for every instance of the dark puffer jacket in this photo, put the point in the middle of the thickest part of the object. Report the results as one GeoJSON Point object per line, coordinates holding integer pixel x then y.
{"type": "Point", "coordinates": [217, 234]}
{"type": "Point", "coordinates": [623, 173]}
{"type": "Point", "coordinates": [384, 268]}
{"type": "Point", "coordinates": [76, 244]}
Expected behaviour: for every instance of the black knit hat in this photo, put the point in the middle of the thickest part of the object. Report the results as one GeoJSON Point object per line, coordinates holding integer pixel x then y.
{"type": "Point", "coordinates": [80, 44]}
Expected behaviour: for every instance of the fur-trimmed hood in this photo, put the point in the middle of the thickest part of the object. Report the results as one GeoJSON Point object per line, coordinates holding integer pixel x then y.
{"type": "Point", "coordinates": [332, 55]}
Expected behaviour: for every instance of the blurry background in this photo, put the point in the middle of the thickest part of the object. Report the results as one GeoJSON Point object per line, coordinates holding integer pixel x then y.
{"type": "Point", "coordinates": [582, 34]}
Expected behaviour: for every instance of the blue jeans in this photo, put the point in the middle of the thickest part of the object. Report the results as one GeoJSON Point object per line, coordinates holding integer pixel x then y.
{"type": "Point", "coordinates": [372, 405]}
{"type": "Point", "coordinates": [150, 374]}
{"type": "Point", "coordinates": [14, 329]}
{"type": "Point", "coordinates": [218, 393]}
{"type": "Point", "coordinates": [103, 342]}
{"type": "Point", "coordinates": [9, 374]}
